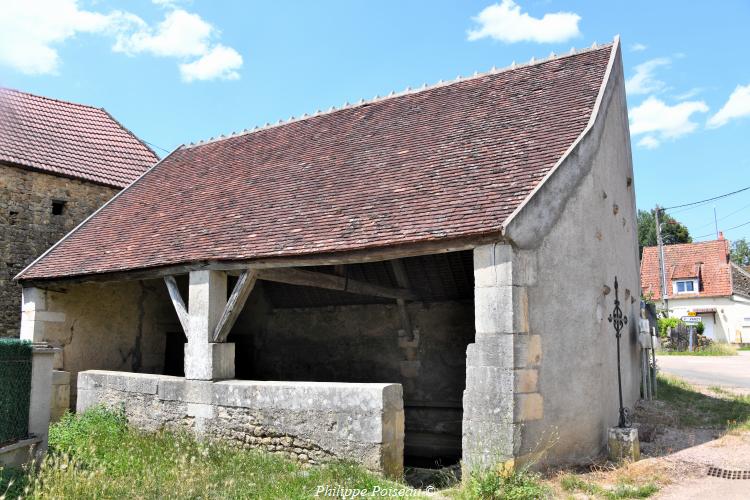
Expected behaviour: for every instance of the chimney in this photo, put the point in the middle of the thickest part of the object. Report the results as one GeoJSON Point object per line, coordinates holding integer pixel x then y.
{"type": "Point", "coordinates": [721, 235]}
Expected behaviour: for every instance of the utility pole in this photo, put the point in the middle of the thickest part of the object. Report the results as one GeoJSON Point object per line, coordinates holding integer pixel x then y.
{"type": "Point", "coordinates": [662, 264]}
{"type": "Point", "coordinates": [716, 224]}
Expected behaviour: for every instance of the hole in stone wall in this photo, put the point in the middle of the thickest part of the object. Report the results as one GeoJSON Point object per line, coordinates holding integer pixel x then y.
{"type": "Point", "coordinates": [58, 207]}
{"type": "Point", "coordinates": [12, 217]}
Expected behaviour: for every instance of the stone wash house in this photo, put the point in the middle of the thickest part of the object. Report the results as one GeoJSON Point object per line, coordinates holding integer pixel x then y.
{"type": "Point", "coordinates": [423, 278]}
{"type": "Point", "coordinates": [701, 279]}
{"type": "Point", "coordinates": [59, 161]}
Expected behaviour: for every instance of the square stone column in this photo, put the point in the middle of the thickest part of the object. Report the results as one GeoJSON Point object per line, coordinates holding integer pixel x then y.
{"type": "Point", "coordinates": [40, 397]}
{"type": "Point", "coordinates": [205, 359]}
{"type": "Point", "coordinates": [501, 376]}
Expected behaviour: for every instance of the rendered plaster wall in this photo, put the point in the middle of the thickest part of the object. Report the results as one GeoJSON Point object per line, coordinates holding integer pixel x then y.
{"type": "Point", "coordinates": [731, 320]}
{"type": "Point", "coordinates": [305, 421]}
{"type": "Point", "coordinates": [28, 227]}
{"type": "Point", "coordinates": [578, 233]}
{"type": "Point", "coordinates": [114, 326]}
{"type": "Point", "coordinates": [362, 344]}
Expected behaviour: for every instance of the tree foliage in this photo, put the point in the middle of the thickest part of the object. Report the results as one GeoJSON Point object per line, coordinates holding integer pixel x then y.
{"type": "Point", "coordinates": [740, 252]}
{"type": "Point", "coordinates": [672, 231]}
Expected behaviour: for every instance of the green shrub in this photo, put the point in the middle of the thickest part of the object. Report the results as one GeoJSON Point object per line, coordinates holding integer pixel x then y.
{"type": "Point", "coordinates": [15, 388]}
{"type": "Point", "coordinates": [519, 484]}
{"type": "Point", "coordinates": [664, 323]}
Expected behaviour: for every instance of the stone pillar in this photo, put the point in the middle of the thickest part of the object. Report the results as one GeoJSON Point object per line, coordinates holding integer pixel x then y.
{"type": "Point", "coordinates": [41, 394]}
{"type": "Point", "coordinates": [501, 376]}
{"type": "Point", "coordinates": [34, 318]}
{"type": "Point", "coordinates": [205, 359]}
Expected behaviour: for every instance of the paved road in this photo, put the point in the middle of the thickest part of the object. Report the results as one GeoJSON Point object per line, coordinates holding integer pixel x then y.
{"type": "Point", "coordinates": [725, 371]}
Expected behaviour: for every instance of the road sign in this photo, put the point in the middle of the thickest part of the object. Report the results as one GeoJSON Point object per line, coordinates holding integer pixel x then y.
{"type": "Point", "coordinates": [691, 319]}
{"type": "Point", "coordinates": [692, 313]}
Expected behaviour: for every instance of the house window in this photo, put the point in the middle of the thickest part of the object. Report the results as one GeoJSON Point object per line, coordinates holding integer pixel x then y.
{"type": "Point", "coordinates": [58, 207]}
{"type": "Point", "coordinates": [686, 286]}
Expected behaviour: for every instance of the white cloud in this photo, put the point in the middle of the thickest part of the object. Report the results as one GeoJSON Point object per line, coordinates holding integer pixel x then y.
{"type": "Point", "coordinates": [643, 81]}
{"type": "Point", "coordinates": [31, 31]}
{"type": "Point", "coordinates": [221, 62]}
{"type": "Point", "coordinates": [737, 106]}
{"type": "Point", "coordinates": [649, 142]}
{"type": "Point", "coordinates": [688, 94]}
{"type": "Point", "coordinates": [180, 34]}
{"type": "Point", "coordinates": [638, 47]}
{"type": "Point", "coordinates": [506, 22]}
{"type": "Point", "coordinates": [658, 121]}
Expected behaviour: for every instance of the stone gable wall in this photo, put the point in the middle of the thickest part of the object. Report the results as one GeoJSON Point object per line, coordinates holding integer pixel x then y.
{"type": "Point", "coordinates": [28, 227]}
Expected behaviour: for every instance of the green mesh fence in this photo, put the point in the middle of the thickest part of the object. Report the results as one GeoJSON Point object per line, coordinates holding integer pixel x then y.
{"type": "Point", "coordinates": [15, 388]}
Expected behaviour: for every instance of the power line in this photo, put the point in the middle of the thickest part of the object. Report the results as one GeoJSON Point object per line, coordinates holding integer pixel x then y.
{"type": "Point", "coordinates": [708, 199]}
{"type": "Point", "coordinates": [729, 229]}
{"type": "Point", "coordinates": [725, 217]}
{"type": "Point", "coordinates": [155, 146]}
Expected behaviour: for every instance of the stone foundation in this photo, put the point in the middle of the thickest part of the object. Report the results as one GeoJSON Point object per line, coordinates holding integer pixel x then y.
{"type": "Point", "coordinates": [311, 422]}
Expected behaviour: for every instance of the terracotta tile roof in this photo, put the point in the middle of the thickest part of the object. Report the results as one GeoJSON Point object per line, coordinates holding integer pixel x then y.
{"type": "Point", "coordinates": [69, 139]}
{"type": "Point", "coordinates": [708, 261]}
{"type": "Point", "coordinates": [447, 162]}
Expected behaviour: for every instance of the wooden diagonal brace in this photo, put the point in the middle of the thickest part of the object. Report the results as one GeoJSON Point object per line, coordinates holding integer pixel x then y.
{"type": "Point", "coordinates": [236, 302]}
{"type": "Point", "coordinates": [178, 303]}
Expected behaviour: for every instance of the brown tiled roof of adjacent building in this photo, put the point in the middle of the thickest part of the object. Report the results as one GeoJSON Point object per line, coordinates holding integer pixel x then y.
{"type": "Point", "coordinates": [69, 139]}
{"type": "Point", "coordinates": [706, 261]}
{"type": "Point", "coordinates": [451, 161]}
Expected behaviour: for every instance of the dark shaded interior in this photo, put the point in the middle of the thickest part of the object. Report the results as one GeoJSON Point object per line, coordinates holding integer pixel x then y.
{"type": "Point", "coordinates": [301, 333]}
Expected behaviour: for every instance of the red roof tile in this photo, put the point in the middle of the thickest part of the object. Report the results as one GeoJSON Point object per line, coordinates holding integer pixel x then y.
{"type": "Point", "coordinates": [446, 162]}
{"type": "Point", "coordinates": [69, 139]}
{"type": "Point", "coordinates": [708, 261]}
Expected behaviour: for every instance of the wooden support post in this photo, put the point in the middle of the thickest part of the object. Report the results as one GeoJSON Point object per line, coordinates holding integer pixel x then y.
{"type": "Point", "coordinates": [399, 271]}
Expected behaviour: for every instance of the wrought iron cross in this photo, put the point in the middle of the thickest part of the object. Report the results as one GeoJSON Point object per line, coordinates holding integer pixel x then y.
{"type": "Point", "coordinates": [619, 320]}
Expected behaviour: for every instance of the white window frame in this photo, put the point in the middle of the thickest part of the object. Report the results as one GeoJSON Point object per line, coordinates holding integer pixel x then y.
{"type": "Point", "coordinates": [676, 290]}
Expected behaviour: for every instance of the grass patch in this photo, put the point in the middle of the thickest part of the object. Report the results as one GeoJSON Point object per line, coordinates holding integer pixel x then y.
{"type": "Point", "coordinates": [711, 350]}
{"type": "Point", "coordinates": [623, 489]}
{"type": "Point", "coordinates": [744, 348]}
{"type": "Point", "coordinates": [723, 410]}
{"type": "Point", "coordinates": [502, 484]}
{"type": "Point", "coordinates": [97, 455]}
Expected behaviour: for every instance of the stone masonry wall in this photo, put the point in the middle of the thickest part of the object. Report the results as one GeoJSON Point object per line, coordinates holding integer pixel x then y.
{"type": "Point", "coordinates": [28, 227]}
{"type": "Point", "coordinates": [305, 421]}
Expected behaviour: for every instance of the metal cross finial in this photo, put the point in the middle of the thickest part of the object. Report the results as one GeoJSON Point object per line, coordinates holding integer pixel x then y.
{"type": "Point", "coordinates": [619, 320]}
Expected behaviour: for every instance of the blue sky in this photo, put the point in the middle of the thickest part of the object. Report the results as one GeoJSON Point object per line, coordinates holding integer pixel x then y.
{"type": "Point", "coordinates": [180, 71]}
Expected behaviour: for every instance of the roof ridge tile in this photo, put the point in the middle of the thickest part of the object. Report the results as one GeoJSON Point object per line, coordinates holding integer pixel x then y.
{"type": "Point", "coordinates": [408, 91]}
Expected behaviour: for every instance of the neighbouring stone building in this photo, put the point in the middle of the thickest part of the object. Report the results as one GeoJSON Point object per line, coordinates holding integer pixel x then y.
{"type": "Point", "coordinates": [59, 162]}
{"type": "Point", "coordinates": [422, 278]}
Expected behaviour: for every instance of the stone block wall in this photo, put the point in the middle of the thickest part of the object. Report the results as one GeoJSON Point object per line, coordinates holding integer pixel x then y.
{"type": "Point", "coordinates": [60, 400]}
{"type": "Point", "coordinates": [309, 422]}
{"type": "Point", "coordinates": [28, 226]}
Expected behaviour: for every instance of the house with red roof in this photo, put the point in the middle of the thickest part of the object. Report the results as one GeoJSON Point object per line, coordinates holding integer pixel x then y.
{"type": "Point", "coordinates": [700, 278]}
{"type": "Point", "coordinates": [424, 278]}
{"type": "Point", "coordinates": [59, 162]}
